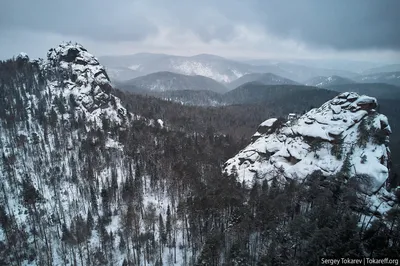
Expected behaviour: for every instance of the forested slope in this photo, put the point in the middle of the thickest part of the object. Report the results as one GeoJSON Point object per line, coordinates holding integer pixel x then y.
{"type": "Point", "coordinates": [91, 176]}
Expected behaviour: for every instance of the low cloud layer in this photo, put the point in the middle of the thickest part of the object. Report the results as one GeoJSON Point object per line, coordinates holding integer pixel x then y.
{"type": "Point", "coordinates": [258, 26]}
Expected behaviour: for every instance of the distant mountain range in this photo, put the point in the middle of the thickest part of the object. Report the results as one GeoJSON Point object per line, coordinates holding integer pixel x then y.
{"type": "Point", "coordinates": [249, 89]}
{"type": "Point", "coordinates": [121, 74]}
{"type": "Point", "coordinates": [347, 65]}
{"type": "Point", "coordinates": [301, 73]}
{"type": "Point", "coordinates": [211, 66]}
{"type": "Point", "coordinates": [392, 78]}
{"type": "Point", "coordinates": [248, 93]}
{"type": "Point", "coordinates": [380, 69]}
{"type": "Point", "coordinates": [378, 90]}
{"type": "Point", "coordinates": [168, 81]}
{"type": "Point", "coordinates": [254, 92]}
{"type": "Point", "coordinates": [218, 68]}
{"type": "Point", "coordinates": [322, 81]}
{"type": "Point", "coordinates": [262, 78]}
{"type": "Point", "coordinates": [206, 79]}
{"type": "Point", "coordinates": [380, 85]}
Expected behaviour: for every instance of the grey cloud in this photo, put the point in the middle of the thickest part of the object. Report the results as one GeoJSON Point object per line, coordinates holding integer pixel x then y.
{"type": "Point", "coordinates": [209, 20]}
{"type": "Point", "coordinates": [209, 28]}
{"type": "Point", "coordinates": [99, 20]}
{"type": "Point", "coordinates": [223, 33]}
{"type": "Point", "coordinates": [342, 25]}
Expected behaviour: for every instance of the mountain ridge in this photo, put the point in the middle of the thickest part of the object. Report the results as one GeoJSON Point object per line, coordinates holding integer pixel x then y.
{"type": "Point", "coordinates": [254, 92]}
{"type": "Point", "coordinates": [392, 78]}
{"type": "Point", "coordinates": [322, 81]}
{"type": "Point", "coordinates": [377, 90]}
{"type": "Point", "coordinates": [381, 69]}
{"type": "Point", "coordinates": [262, 78]}
{"type": "Point", "coordinates": [169, 81]}
{"type": "Point", "coordinates": [218, 68]}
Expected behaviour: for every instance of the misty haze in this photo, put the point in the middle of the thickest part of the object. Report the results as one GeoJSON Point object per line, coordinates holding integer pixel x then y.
{"type": "Point", "coordinates": [199, 133]}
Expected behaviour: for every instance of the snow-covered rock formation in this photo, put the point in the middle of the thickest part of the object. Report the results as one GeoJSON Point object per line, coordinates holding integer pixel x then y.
{"type": "Point", "coordinates": [84, 80]}
{"type": "Point", "coordinates": [345, 136]}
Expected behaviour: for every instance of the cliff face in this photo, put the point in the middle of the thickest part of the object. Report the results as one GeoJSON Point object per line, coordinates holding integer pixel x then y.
{"type": "Point", "coordinates": [344, 137]}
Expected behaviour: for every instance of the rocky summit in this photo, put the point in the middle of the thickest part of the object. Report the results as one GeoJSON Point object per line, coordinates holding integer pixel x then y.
{"type": "Point", "coordinates": [346, 136]}
{"type": "Point", "coordinates": [81, 78]}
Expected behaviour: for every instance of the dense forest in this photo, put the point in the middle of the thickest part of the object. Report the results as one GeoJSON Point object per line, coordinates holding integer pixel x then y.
{"type": "Point", "coordinates": [93, 176]}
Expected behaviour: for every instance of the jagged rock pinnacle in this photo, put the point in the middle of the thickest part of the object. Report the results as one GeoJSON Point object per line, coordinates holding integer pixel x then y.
{"type": "Point", "coordinates": [71, 68]}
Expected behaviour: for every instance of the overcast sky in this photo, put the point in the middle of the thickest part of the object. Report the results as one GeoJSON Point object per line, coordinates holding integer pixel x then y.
{"type": "Point", "coordinates": [357, 29]}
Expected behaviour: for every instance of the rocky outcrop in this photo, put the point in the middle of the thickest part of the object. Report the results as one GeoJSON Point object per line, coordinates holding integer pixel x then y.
{"type": "Point", "coordinates": [346, 136]}
{"type": "Point", "coordinates": [75, 74]}
{"type": "Point", "coordinates": [22, 56]}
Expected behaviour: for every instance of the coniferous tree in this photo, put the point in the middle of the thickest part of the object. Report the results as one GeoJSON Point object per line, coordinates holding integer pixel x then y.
{"type": "Point", "coordinates": [168, 225]}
